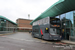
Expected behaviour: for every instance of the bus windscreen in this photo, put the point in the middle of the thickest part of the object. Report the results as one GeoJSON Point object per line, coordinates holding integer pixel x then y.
{"type": "Point", "coordinates": [55, 22]}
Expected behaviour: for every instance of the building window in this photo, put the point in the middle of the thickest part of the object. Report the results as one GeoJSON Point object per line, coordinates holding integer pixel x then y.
{"type": "Point", "coordinates": [74, 18]}
{"type": "Point", "coordinates": [69, 17]}
{"type": "Point", "coordinates": [57, 17]}
{"type": "Point", "coordinates": [62, 16]}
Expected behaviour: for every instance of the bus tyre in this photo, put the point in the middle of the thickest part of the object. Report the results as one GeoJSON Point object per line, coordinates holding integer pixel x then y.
{"type": "Point", "coordinates": [42, 37]}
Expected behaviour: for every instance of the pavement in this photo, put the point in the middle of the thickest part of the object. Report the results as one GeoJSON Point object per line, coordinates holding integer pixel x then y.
{"type": "Point", "coordinates": [16, 44]}
{"type": "Point", "coordinates": [68, 42]}
{"type": "Point", "coordinates": [22, 41]}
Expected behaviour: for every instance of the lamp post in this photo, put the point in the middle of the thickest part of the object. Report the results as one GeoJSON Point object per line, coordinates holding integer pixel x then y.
{"type": "Point", "coordinates": [28, 16]}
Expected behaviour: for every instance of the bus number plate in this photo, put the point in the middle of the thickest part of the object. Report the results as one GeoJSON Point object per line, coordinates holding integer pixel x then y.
{"type": "Point", "coordinates": [55, 39]}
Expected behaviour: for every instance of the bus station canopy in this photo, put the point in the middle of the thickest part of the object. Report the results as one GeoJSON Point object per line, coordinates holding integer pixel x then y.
{"type": "Point", "coordinates": [60, 7]}
{"type": "Point", "coordinates": [8, 19]}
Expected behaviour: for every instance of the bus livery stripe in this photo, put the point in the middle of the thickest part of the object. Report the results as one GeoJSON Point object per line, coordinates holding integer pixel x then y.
{"type": "Point", "coordinates": [41, 32]}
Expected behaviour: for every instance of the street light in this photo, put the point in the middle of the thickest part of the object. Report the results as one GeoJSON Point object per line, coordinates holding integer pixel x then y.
{"type": "Point", "coordinates": [28, 16]}
{"type": "Point", "coordinates": [64, 24]}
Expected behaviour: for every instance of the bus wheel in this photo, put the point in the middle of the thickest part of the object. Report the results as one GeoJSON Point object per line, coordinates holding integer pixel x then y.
{"type": "Point", "coordinates": [42, 37]}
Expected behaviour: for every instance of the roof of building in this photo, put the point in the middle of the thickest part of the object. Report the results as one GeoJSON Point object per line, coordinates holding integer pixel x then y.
{"type": "Point", "coordinates": [24, 19]}
{"type": "Point", "coordinates": [8, 19]}
{"type": "Point", "coordinates": [60, 7]}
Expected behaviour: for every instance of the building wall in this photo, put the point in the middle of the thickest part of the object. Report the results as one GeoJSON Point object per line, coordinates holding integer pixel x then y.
{"type": "Point", "coordinates": [24, 24]}
{"type": "Point", "coordinates": [6, 25]}
{"type": "Point", "coordinates": [10, 26]}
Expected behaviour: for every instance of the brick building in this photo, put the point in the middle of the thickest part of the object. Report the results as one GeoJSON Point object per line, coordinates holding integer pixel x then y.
{"type": "Point", "coordinates": [24, 24]}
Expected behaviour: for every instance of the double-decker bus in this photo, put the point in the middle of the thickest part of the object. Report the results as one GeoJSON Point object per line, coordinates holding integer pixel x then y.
{"type": "Point", "coordinates": [47, 28]}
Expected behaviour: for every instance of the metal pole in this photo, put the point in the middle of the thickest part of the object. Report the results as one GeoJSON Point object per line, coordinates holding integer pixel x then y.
{"type": "Point", "coordinates": [28, 16]}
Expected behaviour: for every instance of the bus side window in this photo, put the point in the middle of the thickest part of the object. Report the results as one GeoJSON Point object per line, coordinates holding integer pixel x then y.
{"type": "Point", "coordinates": [36, 30]}
{"type": "Point", "coordinates": [46, 30]}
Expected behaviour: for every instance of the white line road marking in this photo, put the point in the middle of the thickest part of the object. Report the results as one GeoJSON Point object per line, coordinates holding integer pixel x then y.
{"type": "Point", "coordinates": [38, 41]}
{"type": "Point", "coordinates": [22, 49]}
{"type": "Point", "coordinates": [3, 36]}
{"type": "Point", "coordinates": [1, 47]}
{"type": "Point", "coordinates": [27, 39]}
{"type": "Point", "coordinates": [18, 38]}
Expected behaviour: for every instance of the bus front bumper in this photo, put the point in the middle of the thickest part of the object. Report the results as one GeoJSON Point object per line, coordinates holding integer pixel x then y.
{"type": "Point", "coordinates": [55, 38]}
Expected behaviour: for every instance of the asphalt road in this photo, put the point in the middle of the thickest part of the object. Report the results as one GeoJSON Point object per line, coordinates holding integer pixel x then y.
{"type": "Point", "coordinates": [24, 41]}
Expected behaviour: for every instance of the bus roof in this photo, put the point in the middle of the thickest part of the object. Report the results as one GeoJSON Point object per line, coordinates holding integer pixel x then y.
{"type": "Point", "coordinates": [60, 7]}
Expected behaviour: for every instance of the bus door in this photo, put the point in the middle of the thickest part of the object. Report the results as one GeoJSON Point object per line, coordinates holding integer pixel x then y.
{"type": "Point", "coordinates": [46, 33]}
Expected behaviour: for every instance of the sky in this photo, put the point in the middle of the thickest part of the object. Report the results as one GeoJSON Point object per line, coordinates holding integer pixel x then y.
{"type": "Point", "coordinates": [14, 9]}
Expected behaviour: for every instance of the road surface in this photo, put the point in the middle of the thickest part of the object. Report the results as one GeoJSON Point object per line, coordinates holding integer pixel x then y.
{"type": "Point", "coordinates": [24, 41]}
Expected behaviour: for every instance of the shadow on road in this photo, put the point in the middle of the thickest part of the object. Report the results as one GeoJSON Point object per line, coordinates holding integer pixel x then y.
{"type": "Point", "coordinates": [50, 40]}
{"type": "Point", "coordinates": [53, 40]}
